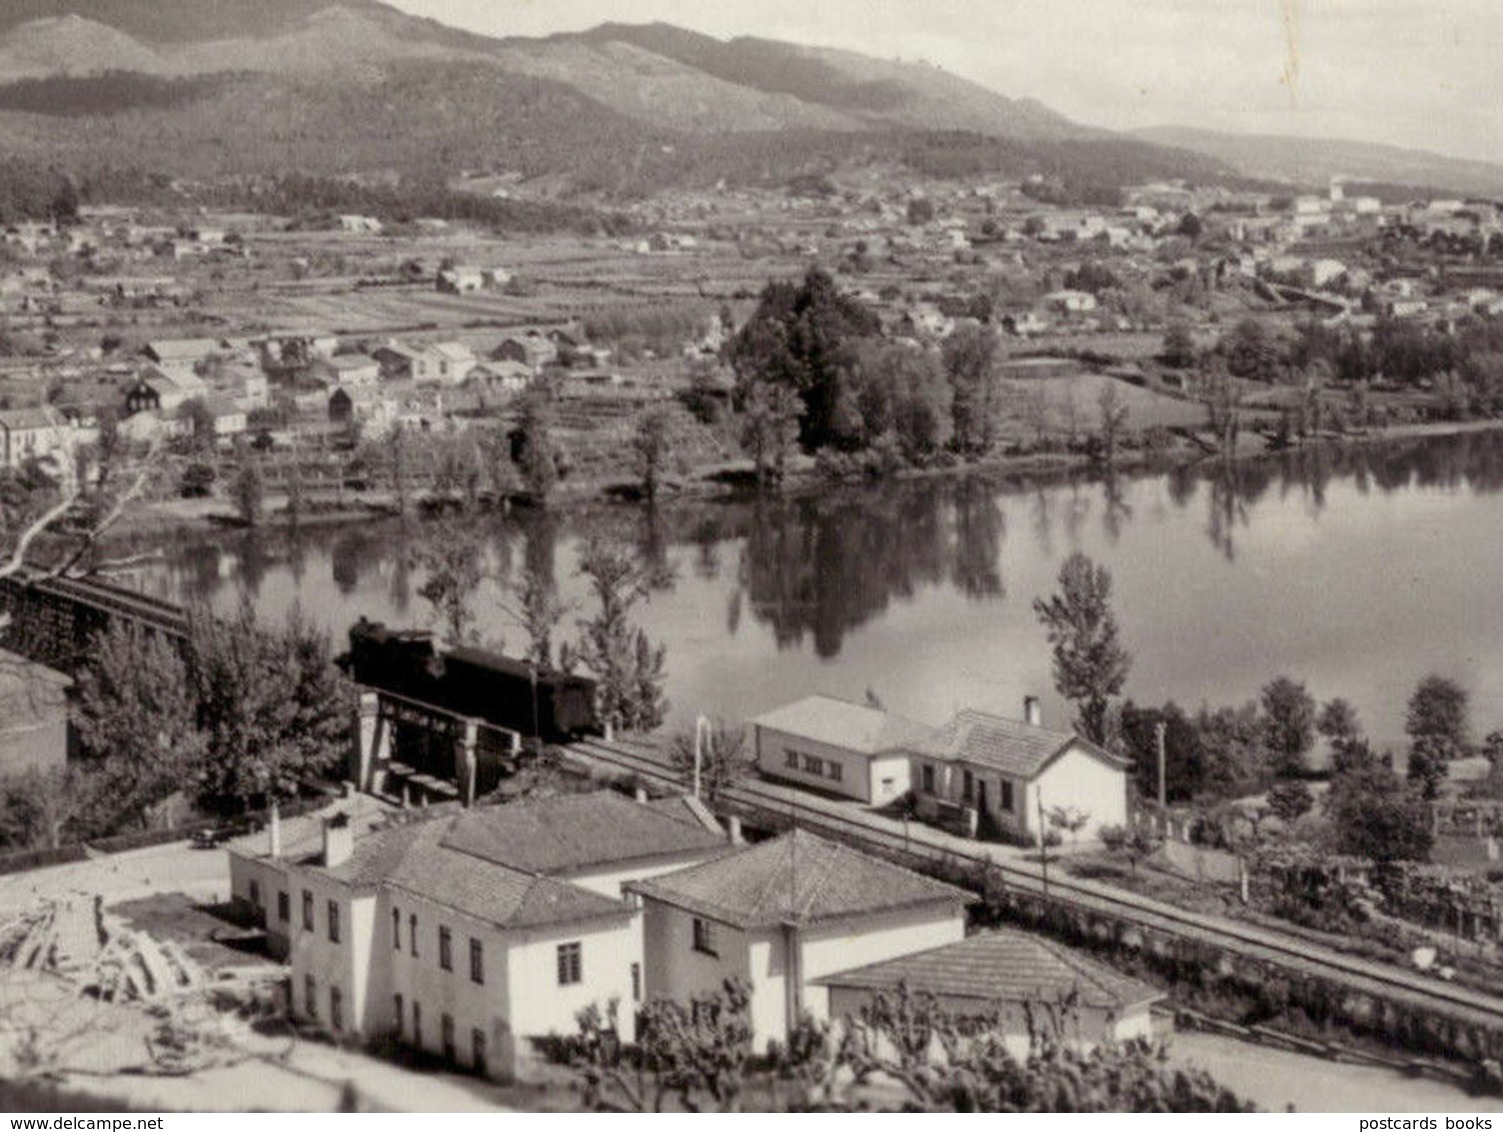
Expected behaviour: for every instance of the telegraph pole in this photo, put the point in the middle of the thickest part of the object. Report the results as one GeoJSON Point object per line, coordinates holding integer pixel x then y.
{"type": "Point", "coordinates": [1159, 733]}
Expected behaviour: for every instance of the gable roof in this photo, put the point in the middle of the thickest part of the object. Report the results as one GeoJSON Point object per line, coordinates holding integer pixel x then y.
{"type": "Point", "coordinates": [841, 723]}
{"type": "Point", "coordinates": [796, 877]}
{"type": "Point", "coordinates": [1011, 746]}
{"type": "Point", "coordinates": [1002, 966]}
{"type": "Point", "coordinates": [570, 832]}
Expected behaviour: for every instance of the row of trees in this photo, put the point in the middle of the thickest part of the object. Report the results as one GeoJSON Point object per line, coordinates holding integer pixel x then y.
{"type": "Point", "coordinates": [1219, 754]}
{"type": "Point", "coordinates": [699, 1057]}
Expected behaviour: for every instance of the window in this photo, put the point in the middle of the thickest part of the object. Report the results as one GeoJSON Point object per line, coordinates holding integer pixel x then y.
{"type": "Point", "coordinates": [636, 982]}
{"type": "Point", "coordinates": [445, 949]}
{"type": "Point", "coordinates": [255, 893]}
{"type": "Point", "coordinates": [396, 929]}
{"type": "Point", "coordinates": [307, 911]}
{"type": "Point", "coordinates": [398, 1013]}
{"type": "Point", "coordinates": [967, 786]}
{"type": "Point", "coordinates": [412, 934]}
{"type": "Point", "coordinates": [569, 971]}
{"type": "Point", "coordinates": [446, 1034]}
{"type": "Point", "coordinates": [284, 907]}
{"type": "Point", "coordinates": [477, 962]}
{"type": "Point", "coordinates": [310, 996]}
{"type": "Point", "coordinates": [813, 765]}
{"type": "Point", "coordinates": [1006, 794]}
{"type": "Point", "coordinates": [417, 1023]}
{"type": "Point", "coordinates": [336, 1009]}
{"type": "Point", "coordinates": [477, 1049]}
{"type": "Point", "coordinates": [333, 921]}
{"type": "Point", "coordinates": [837, 772]}
{"type": "Point", "coordinates": [790, 759]}
{"type": "Point", "coordinates": [928, 780]}
{"type": "Point", "coordinates": [704, 937]}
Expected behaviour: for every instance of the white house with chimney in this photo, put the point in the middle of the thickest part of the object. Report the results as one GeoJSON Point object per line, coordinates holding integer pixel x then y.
{"type": "Point", "coordinates": [836, 746]}
{"type": "Point", "coordinates": [1012, 772]}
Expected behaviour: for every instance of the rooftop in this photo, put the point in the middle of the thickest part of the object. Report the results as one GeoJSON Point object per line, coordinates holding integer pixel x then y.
{"type": "Point", "coordinates": [796, 877]}
{"type": "Point", "coordinates": [1003, 966]}
{"type": "Point", "coordinates": [570, 832]}
{"type": "Point", "coordinates": [841, 723]}
{"type": "Point", "coordinates": [1011, 746]}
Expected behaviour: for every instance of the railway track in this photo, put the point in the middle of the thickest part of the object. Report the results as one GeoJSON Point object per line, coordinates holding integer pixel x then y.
{"type": "Point", "coordinates": [783, 804]}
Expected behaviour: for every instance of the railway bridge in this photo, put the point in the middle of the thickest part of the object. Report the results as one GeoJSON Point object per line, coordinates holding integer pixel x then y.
{"type": "Point", "coordinates": [53, 620]}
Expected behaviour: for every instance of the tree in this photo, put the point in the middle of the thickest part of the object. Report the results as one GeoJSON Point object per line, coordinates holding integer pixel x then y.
{"type": "Point", "coordinates": [197, 480]}
{"type": "Point", "coordinates": [1290, 800]}
{"type": "Point", "coordinates": [537, 608]}
{"type": "Point", "coordinates": [1438, 711]}
{"type": "Point", "coordinates": [397, 453]}
{"type": "Point", "coordinates": [725, 758]}
{"type": "Point", "coordinates": [1179, 346]}
{"type": "Point", "coordinates": [1069, 819]}
{"type": "Point", "coordinates": [769, 430]}
{"type": "Point", "coordinates": [1429, 763]}
{"type": "Point", "coordinates": [1289, 729]}
{"type": "Point", "coordinates": [920, 211]}
{"type": "Point", "coordinates": [1187, 773]}
{"type": "Point", "coordinates": [536, 457]}
{"type": "Point", "coordinates": [137, 721]}
{"type": "Point", "coordinates": [453, 561]}
{"type": "Point", "coordinates": [627, 666]}
{"type": "Point", "coordinates": [200, 422]}
{"type": "Point", "coordinates": [272, 705]}
{"type": "Point", "coordinates": [801, 337]}
{"type": "Point", "coordinates": [51, 807]}
{"type": "Point", "coordinates": [1132, 844]}
{"type": "Point", "coordinates": [969, 357]}
{"type": "Point", "coordinates": [1374, 815]}
{"type": "Point", "coordinates": [650, 446]}
{"type": "Point", "coordinates": [248, 491]}
{"type": "Point", "coordinates": [1338, 723]}
{"type": "Point", "coordinates": [700, 1053]}
{"type": "Point", "coordinates": [1113, 421]}
{"type": "Point", "coordinates": [1090, 664]}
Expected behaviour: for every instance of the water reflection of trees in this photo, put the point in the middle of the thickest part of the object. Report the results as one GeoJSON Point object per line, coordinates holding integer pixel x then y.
{"type": "Point", "coordinates": [823, 567]}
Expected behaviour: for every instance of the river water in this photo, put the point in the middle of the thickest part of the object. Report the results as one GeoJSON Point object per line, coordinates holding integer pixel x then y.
{"type": "Point", "coordinates": [1356, 571]}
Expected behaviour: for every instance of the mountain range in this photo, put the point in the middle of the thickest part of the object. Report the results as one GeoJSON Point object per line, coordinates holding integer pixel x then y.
{"type": "Point", "coordinates": [209, 87]}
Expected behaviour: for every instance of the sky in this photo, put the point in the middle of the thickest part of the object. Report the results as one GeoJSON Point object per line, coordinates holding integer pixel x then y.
{"type": "Point", "coordinates": [1417, 73]}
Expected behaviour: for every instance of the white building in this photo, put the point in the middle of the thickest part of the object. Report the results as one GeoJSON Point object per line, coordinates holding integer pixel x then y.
{"type": "Point", "coordinates": [466, 933]}
{"type": "Point", "coordinates": [41, 433]}
{"type": "Point", "coordinates": [841, 747]}
{"type": "Point", "coordinates": [782, 914]}
{"type": "Point", "coordinates": [1012, 772]}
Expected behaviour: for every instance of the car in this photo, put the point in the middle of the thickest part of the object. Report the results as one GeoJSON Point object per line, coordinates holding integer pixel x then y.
{"type": "Point", "coordinates": [217, 835]}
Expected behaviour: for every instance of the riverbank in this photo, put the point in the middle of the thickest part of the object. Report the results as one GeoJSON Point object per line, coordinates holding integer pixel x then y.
{"type": "Point", "coordinates": [735, 480]}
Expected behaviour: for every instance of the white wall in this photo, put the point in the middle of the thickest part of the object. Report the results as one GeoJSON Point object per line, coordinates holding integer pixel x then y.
{"type": "Point", "coordinates": [608, 948]}
{"type": "Point", "coordinates": [855, 777]}
{"type": "Point", "coordinates": [1077, 779]}
{"type": "Point", "coordinates": [344, 964]}
{"type": "Point", "coordinates": [607, 881]}
{"type": "Point", "coordinates": [672, 968]}
{"type": "Point", "coordinates": [857, 942]}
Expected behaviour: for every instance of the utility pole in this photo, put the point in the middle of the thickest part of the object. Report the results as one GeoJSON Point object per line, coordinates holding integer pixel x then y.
{"type": "Point", "coordinates": [1043, 842]}
{"type": "Point", "coordinates": [701, 728]}
{"type": "Point", "coordinates": [1161, 729]}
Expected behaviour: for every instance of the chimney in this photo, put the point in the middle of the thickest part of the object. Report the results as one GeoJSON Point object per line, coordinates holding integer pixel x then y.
{"type": "Point", "coordinates": [1032, 715]}
{"type": "Point", "coordinates": [339, 840]}
{"type": "Point", "coordinates": [274, 828]}
{"type": "Point", "coordinates": [733, 828]}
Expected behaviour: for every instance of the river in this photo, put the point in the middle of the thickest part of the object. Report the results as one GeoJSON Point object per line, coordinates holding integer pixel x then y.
{"type": "Point", "coordinates": [1356, 571]}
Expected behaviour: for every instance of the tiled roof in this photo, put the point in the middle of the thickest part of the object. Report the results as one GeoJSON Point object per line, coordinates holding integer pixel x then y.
{"type": "Point", "coordinates": [1002, 966]}
{"type": "Point", "coordinates": [798, 877]}
{"type": "Point", "coordinates": [574, 831]}
{"type": "Point", "coordinates": [841, 723]}
{"type": "Point", "coordinates": [1011, 746]}
{"type": "Point", "coordinates": [41, 416]}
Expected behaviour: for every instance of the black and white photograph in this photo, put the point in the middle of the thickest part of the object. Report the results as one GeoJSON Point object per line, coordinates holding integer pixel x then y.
{"type": "Point", "coordinates": [758, 557]}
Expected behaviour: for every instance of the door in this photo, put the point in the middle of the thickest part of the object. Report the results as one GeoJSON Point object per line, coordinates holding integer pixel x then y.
{"type": "Point", "coordinates": [981, 795]}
